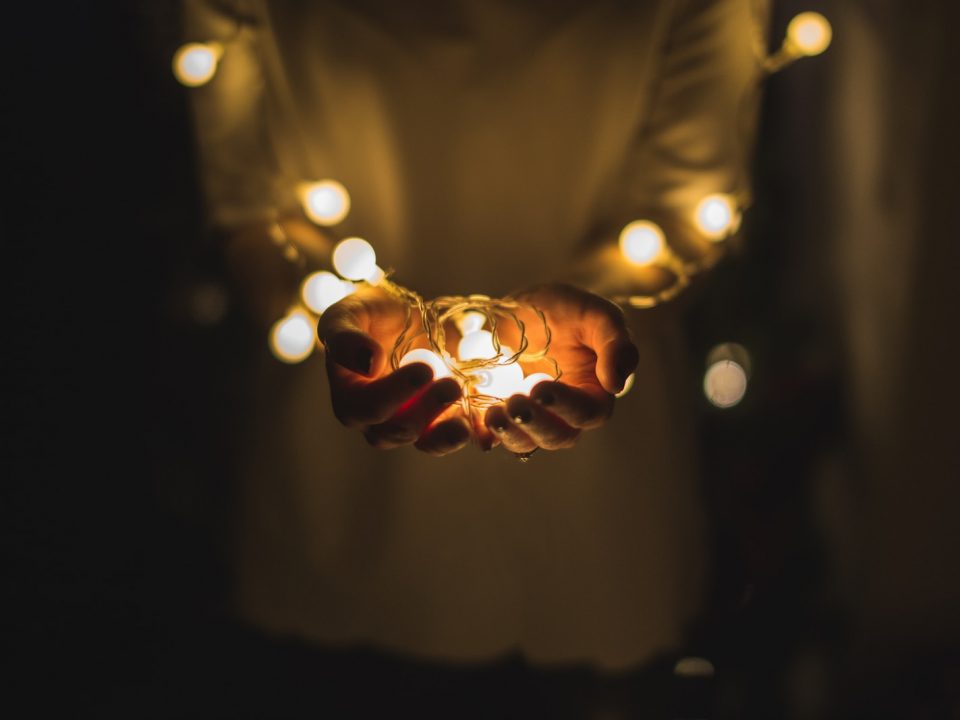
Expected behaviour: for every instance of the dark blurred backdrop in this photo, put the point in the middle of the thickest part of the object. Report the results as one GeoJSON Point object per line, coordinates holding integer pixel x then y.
{"type": "Point", "coordinates": [832, 489]}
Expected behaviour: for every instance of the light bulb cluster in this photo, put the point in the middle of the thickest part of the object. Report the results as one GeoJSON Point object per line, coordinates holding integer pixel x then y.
{"type": "Point", "coordinates": [499, 376]}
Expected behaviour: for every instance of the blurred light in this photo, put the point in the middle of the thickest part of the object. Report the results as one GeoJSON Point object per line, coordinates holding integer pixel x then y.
{"type": "Point", "coordinates": [326, 202]}
{"type": "Point", "coordinates": [809, 33]}
{"type": "Point", "coordinates": [292, 337]}
{"type": "Point", "coordinates": [716, 215]}
{"type": "Point", "coordinates": [725, 383]}
{"type": "Point", "coordinates": [355, 259]}
{"type": "Point", "coordinates": [627, 385]}
{"type": "Point", "coordinates": [322, 289]}
{"type": "Point", "coordinates": [641, 242]}
{"type": "Point", "coordinates": [422, 355]}
{"type": "Point", "coordinates": [194, 64]}
{"type": "Point", "coordinates": [693, 667]}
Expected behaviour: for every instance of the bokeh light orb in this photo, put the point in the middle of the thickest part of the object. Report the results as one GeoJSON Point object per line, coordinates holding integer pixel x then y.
{"type": "Point", "coordinates": [355, 259]}
{"type": "Point", "coordinates": [292, 338]}
{"type": "Point", "coordinates": [322, 289]}
{"type": "Point", "coordinates": [810, 33]}
{"type": "Point", "coordinates": [725, 383]}
{"type": "Point", "coordinates": [325, 202]}
{"type": "Point", "coordinates": [716, 216]}
{"type": "Point", "coordinates": [195, 64]}
{"type": "Point", "coordinates": [641, 242]}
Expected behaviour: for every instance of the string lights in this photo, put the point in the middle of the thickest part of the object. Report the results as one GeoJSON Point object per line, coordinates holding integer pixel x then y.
{"type": "Point", "coordinates": [487, 370]}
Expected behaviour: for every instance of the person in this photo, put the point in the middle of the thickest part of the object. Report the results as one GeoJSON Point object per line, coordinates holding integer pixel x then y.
{"type": "Point", "coordinates": [491, 147]}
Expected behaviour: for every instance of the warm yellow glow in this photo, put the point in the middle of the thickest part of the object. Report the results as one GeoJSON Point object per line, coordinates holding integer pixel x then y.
{"type": "Point", "coordinates": [693, 667]}
{"type": "Point", "coordinates": [725, 383]}
{"type": "Point", "coordinates": [641, 242]}
{"type": "Point", "coordinates": [355, 259]}
{"type": "Point", "coordinates": [476, 346]}
{"type": "Point", "coordinates": [809, 33]}
{"type": "Point", "coordinates": [532, 380]}
{"type": "Point", "coordinates": [716, 216]}
{"type": "Point", "coordinates": [326, 202]}
{"type": "Point", "coordinates": [470, 322]}
{"type": "Point", "coordinates": [322, 289]}
{"type": "Point", "coordinates": [292, 337]}
{"type": "Point", "coordinates": [194, 64]}
{"type": "Point", "coordinates": [422, 355]}
{"type": "Point", "coordinates": [501, 381]}
{"type": "Point", "coordinates": [627, 385]}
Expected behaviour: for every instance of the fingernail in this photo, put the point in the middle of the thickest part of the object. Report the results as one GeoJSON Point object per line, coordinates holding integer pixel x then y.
{"type": "Point", "coordinates": [420, 375]}
{"type": "Point", "coordinates": [626, 365]}
{"type": "Point", "coordinates": [545, 398]}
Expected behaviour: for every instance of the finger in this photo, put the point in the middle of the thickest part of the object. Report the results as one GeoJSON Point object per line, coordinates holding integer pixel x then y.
{"type": "Point", "coordinates": [485, 438]}
{"type": "Point", "coordinates": [413, 418]}
{"type": "Point", "coordinates": [543, 427]}
{"type": "Point", "coordinates": [444, 437]}
{"type": "Point", "coordinates": [584, 407]}
{"type": "Point", "coordinates": [606, 333]}
{"type": "Point", "coordinates": [351, 328]}
{"type": "Point", "coordinates": [358, 402]}
{"type": "Point", "coordinates": [511, 436]}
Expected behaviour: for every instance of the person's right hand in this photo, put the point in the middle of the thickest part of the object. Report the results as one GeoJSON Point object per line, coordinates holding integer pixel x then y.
{"type": "Point", "coordinates": [392, 408]}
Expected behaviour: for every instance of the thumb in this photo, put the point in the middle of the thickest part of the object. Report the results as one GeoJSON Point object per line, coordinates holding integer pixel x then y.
{"type": "Point", "coordinates": [343, 331]}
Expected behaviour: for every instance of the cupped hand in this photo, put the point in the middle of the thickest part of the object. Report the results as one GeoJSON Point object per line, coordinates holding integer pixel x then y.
{"type": "Point", "coordinates": [592, 347]}
{"type": "Point", "coordinates": [391, 408]}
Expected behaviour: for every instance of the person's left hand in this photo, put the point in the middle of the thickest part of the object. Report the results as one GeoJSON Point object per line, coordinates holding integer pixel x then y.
{"type": "Point", "coordinates": [593, 349]}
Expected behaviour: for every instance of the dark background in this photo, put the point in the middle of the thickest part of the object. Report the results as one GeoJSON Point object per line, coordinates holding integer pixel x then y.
{"type": "Point", "coordinates": [836, 579]}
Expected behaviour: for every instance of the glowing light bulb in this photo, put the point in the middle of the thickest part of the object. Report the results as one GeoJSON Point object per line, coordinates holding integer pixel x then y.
{"type": "Point", "coordinates": [501, 381]}
{"type": "Point", "coordinates": [292, 337]}
{"type": "Point", "coordinates": [470, 322]}
{"type": "Point", "coordinates": [195, 64]}
{"type": "Point", "coordinates": [532, 380]}
{"type": "Point", "coordinates": [809, 33]}
{"type": "Point", "coordinates": [326, 202]}
{"type": "Point", "coordinates": [355, 259]}
{"type": "Point", "coordinates": [627, 385]}
{"type": "Point", "coordinates": [641, 242]}
{"type": "Point", "coordinates": [725, 383]}
{"type": "Point", "coordinates": [322, 289]}
{"type": "Point", "coordinates": [477, 346]}
{"type": "Point", "coordinates": [716, 216]}
{"type": "Point", "coordinates": [422, 355]}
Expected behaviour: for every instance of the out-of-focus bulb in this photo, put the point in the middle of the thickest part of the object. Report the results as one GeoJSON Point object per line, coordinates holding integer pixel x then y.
{"type": "Point", "coordinates": [322, 289]}
{"type": "Point", "coordinates": [501, 381]}
{"type": "Point", "coordinates": [194, 64]}
{"type": "Point", "coordinates": [292, 337]}
{"type": "Point", "coordinates": [532, 380]}
{"type": "Point", "coordinates": [422, 355]}
{"type": "Point", "coordinates": [355, 259]}
{"type": "Point", "coordinates": [326, 202]}
{"type": "Point", "coordinates": [477, 346]}
{"type": "Point", "coordinates": [641, 242]}
{"type": "Point", "coordinates": [716, 216]}
{"type": "Point", "coordinates": [809, 33]}
{"type": "Point", "coordinates": [627, 385]}
{"type": "Point", "coordinates": [725, 383]}
{"type": "Point", "coordinates": [470, 322]}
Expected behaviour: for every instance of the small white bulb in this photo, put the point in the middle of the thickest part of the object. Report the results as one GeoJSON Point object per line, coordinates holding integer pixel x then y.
{"type": "Point", "coordinates": [195, 64]}
{"type": "Point", "coordinates": [292, 337]}
{"type": "Point", "coordinates": [716, 216]}
{"type": "Point", "coordinates": [501, 381]}
{"type": "Point", "coordinates": [725, 383]}
{"type": "Point", "coordinates": [470, 322]}
{"type": "Point", "coordinates": [477, 346]}
{"type": "Point", "coordinates": [322, 289]}
{"type": "Point", "coordinates": [534, 379]}
{"type": "Point", "coordinates": [355, 259]}
{"type": "Point", "coordinates": [422, 355]}
{"type": "Point", "coordinates": [641, 242]}
{"type": "Point", "coordinates": [326, 202]}
{"type": "Point", "coordinates": [809, 33]}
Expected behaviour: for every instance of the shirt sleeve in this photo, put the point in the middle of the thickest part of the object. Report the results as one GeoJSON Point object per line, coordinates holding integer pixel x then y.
{"type": "Point", "coordinates": [698, 134]}
{"type": "Point", "coordinates": [237, 166]}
